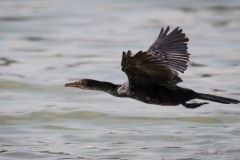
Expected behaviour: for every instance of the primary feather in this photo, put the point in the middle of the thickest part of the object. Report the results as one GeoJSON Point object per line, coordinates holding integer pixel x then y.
{"type": "Point", "coordinates": [161, 63]}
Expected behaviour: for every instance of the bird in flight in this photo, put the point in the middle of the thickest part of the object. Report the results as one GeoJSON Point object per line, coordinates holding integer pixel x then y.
{"type": "Point", "coordinates": [153, 75]}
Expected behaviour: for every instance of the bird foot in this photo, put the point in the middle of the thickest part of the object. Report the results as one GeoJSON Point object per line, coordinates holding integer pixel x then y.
{"type": "Point", "coordinates": [193, 105]}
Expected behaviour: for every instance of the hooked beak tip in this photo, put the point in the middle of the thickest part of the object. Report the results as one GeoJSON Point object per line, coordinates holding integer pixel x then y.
{"type": "Point", "coordinates": [70, 85]}
{"type": "Point", "coordinates": [75, 85]}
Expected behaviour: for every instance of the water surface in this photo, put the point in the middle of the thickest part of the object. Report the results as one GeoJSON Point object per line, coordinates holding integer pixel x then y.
{"type": "Point", "coordinates": [45, 44]}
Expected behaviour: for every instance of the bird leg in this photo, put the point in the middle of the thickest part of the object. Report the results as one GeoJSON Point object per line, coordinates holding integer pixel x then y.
{"type": "Point", "coordinates": [193, 105]}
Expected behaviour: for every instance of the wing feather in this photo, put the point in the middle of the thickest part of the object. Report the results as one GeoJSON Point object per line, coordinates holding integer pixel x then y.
{"type": "Point", "coordinates": [161, 63]}
{"type": "Point", "coordinates": [171, 47]}
{"type": "Point", "coordinates": [145, 69]}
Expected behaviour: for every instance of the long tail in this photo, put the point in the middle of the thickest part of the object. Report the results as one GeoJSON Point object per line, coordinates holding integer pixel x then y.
{"type": "Point", "coordinates": [217, 98]}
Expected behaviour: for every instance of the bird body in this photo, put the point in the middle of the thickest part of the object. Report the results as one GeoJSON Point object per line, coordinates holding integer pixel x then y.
{"type": "Point", "coordinates": [153, 75]}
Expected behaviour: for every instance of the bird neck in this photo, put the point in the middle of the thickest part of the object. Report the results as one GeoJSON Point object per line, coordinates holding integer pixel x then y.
{"type": "Point", "coordinates": [105, 87]}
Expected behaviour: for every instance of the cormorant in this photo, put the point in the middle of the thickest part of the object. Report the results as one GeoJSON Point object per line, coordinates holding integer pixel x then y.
{"type": "Point", "coordinates": [153, 74]}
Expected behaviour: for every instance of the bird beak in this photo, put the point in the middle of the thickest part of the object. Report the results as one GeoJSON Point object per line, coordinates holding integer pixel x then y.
{"type": "Point", "coordinates": [74, 84]}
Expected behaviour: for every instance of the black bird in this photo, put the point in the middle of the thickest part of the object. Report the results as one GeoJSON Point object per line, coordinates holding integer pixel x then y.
{"type": "Point", "coordinates": [153, 74]}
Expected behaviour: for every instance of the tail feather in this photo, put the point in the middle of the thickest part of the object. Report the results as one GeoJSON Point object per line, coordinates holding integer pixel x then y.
{"type": "Point", "coordinates": [218, 99]}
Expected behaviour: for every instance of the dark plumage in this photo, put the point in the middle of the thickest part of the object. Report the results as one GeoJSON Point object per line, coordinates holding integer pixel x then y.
{"type": "Point", "coordinates": [153, 75]}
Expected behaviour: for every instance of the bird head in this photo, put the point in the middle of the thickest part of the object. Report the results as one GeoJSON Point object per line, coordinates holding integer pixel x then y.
{"type": "Point", "coordinates": [82, 84]}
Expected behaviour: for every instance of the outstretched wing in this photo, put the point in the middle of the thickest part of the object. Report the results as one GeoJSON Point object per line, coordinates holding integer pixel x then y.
{"type": "Point", "coordinates": [159, 65]}
{"type": "Point", "coordinates": [146, 69]}
{"type": "Point", "coordinates": [171, 49]}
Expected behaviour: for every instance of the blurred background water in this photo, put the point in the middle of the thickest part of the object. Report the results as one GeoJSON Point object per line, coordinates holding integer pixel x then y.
{"type": "Point", "coordinates": [44, 44]}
